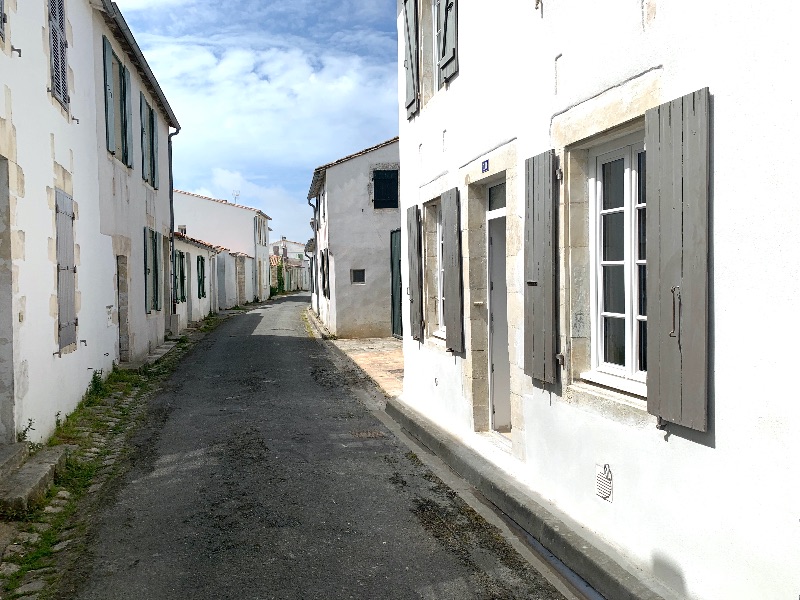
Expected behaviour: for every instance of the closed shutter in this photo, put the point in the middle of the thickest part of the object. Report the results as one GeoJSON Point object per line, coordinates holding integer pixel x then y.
{"type": "Point", "coordinates": [448, 52]}
{"type": "Point", "coordinates": [144, 118]}
{"type": "Point", "coordinates": [154, 160]}
{"type": "Point", "coordinates": [414, 272]}
{"type": "Point", "coordinates": [453, 289]}
{"type": "Point", "coordinates": [411, 59]}
{"type": "Point", "coordinates": [148, 267]}
{"type": "Point", "coordinates": [325, 278]}
{"type": "Point", "coordinates": [58, 51]}
{"type": "Point", "coordinates": [541, 332]}
{"type": "Point", "coordinates": [108, 79]}
{"type": "Point", "coordinates": [199, 276]}
{"type": "Point", "coordinates": [127, 125]}
{"type": "Point", "coordinates": [65, 252]}
{"type": "Point", "coordinates": [158, 261]}
{"type": "Point", "coordinates": [677, 137]}
{"type": "Point", "coordinates": [183, 277]}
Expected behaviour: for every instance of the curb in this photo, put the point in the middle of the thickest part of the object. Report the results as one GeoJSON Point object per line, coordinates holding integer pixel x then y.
{"type": "Point", "coordinates": [596, 567]}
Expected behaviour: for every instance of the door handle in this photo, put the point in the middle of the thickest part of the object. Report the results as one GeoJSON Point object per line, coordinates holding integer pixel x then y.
{"type": "Point", "coordinates": [675, 288]}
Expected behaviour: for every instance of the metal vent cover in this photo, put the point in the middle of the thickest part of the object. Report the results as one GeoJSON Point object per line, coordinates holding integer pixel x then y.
{"type": "Point", "coordinates": [604, 482]}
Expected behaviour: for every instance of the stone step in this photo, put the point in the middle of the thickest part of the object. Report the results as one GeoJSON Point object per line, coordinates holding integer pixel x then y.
{"type": "Point", "coordinates": [25, 487]}
{"type": "Point", "coordinates": [11, 457]}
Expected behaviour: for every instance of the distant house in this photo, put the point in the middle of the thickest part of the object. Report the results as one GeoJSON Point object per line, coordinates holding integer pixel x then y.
{"type": "Point", "coordinates": [295, 264]}
{"type": "Point", "coordinates": [85, 131]}
{"type": "Point", "coordinates": [356, 225]}
{"type": "Point", "coordinates": [195, 280]}
{"type": "Point", "coordinates": [241, 229]}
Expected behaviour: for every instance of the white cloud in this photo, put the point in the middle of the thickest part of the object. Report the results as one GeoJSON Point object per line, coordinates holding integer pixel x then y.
{"type": "Point", "coordinates": [136, 5]}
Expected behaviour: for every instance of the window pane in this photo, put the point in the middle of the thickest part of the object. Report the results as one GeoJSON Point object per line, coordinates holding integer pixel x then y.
{"type": "Point", "coordinates": [614, 289]}
{"type": "Point", "coordinates": [641, 233]}
{"type": "Point", "coordinates": [642, 289]}
{"type": "Point", "coordinates": [614, 236]}
{"type": "Point", "coordinates": [640, 159]}
{"type": "Point", "coordinates": [497, 196]}
{"type": "Point", "coordinates": [614, 340]}
{"type": "Point", "coordinates": [643, 345]}
{"type": "Point", "coordinates": [385, 186]}
{"type": "Point", "coordinates": [614, 184]}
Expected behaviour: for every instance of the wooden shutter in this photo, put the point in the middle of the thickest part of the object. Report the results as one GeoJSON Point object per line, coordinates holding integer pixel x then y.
{"type": "Point", "coordinates": [158, 261]}
{"type": "Point", "coordinates": [148, 289]}
{"type": "Point", "coordinates": [154, 149]}
{"type": "Point", "coordinates": [448, 52]}
{"type": "Point", "coordinates": [65, 252]}
{"type": "Point", "coordinates": [541, 330]}
{"type": "Point", "coordinates": [199, 276]}
{"type": "Point", "coordinates": [411, 59]}
{"type": "Point", "coordinates": [143, 119]}
{"type": "Point", "coordinates": [453, 290]}
{"type": "Point", "coordinates": [183, 277]}
{"type": "Point", "coordinates": [3, 19]}
{"type": "Point", "coordinates": [108, 79]}
{"type": "Point", "coordinates": [677, 184]}
{"type": "Point", "coordinates": [58, 51]}
{"type": "Point", "coordinates": [414, 272]}
{"type": "Point", "coordinates": [127, 115]}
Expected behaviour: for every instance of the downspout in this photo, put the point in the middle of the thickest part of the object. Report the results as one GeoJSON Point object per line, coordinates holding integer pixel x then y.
{"type": "Point", "coordinates": [316, 245]}
{"type": "Point", "coordinates": [172, 222]}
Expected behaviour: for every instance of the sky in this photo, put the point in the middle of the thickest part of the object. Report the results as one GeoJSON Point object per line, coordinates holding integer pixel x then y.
{"type": "Point", "coordinates": [267, 90]}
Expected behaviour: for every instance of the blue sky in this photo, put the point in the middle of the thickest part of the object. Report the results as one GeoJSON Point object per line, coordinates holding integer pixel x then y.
{"type": "Point", "coordinates": [267, 90]}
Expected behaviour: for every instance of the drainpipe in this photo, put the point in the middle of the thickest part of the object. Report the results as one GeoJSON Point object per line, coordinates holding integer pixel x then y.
{"type": "Point", "coordinates": [172, 222]}
{"type": "Point", "coordinates": [314, 262]}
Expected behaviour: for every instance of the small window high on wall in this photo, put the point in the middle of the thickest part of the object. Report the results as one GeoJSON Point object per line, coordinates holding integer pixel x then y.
{"type": "Point", "coordinates": [386, 188]}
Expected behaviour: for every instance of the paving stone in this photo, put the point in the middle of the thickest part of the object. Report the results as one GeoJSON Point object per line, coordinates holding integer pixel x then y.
{"type": "Point", "coordinates": [28, 538]}
{"type": "Point", "coordinates": [13, 549]}
{"type": "Point", "coordinates": [63, 494]}
{"type": "Point", "coordinates": [94, 487]}
{"type": "Point", "coordinates": [61, 545]}
{"type": "Point", "coordinates": [53, 509]}
{"type": "Point", "coordinates": [8, 568]}
{"type": "Point", "coordinates": [58, 502]}
{"type": "Point", "coordinates": [37, 585]}
{"type": "Point", "coordinates": [41, 527]}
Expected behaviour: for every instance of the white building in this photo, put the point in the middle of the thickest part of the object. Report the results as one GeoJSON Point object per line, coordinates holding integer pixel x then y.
{"type": "Point", "coordinates": [83, 210]}
{"type": "Point", "coordinates": [295, 264]}
{"type": "Point", "coordinates": [612, 363]}
{"type": "Point", "coordinates": [242, 229]}
{"type": "Point", "coordinates": [195, 280]}
{"type": "Point", "coordinates": [355, 211]}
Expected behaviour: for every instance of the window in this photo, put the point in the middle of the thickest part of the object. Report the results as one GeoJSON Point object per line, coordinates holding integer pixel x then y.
{"type": "Point", "coordinates": [358, 276]}
{"type": "Point", "coordinates": [152, 269]}
{"type": "Point", "coordinates": [618, 251]}
{"type": "Point", "coordinates": [180, 276]}
{"type": "Point", "coordinates": [149, 121]}
{"type": "Point", "coordinates": [65, 252]}
{"type": "Point", "coordinates": [58, 52]}
{"type": "Point", "coordinates": [386, 188]}
{"type": "Point", "coordinates": [201, 276]}
{"type": "Point", "coordinates": [434, 272]}
{"type": "Point", "coordinates": [119, 129]}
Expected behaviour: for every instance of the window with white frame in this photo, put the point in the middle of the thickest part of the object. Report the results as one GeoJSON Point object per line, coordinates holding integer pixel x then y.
{"type": "Point", "coordinates": [433, 268]}
{"type": "Point", "coordinates": [440, 269]}
{"type": "Point", "coordinates": [618, 260]}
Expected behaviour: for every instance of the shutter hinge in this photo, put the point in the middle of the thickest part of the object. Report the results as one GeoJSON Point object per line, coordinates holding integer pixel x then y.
{"type": "Point", "coordinates": [559, 174]}
{"type": "Point", "coordinates": [75, 269]}
{"type": "Point", "coordinates": [76, 321]}
{"type": "Point", "coordinates": [560, 358]}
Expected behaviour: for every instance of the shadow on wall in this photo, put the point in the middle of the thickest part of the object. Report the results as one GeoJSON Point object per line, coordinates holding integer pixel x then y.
{"type": "Point", "coordinates": [669, 574]}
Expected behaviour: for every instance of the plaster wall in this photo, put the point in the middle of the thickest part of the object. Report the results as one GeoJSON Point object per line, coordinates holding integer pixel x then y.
{"type": "Point", "coordinates": [682, 513]}
{"type": "Point", "coordinates": [324, 307]}
{"type": "Point", "coordinates": [195, 309]}
{"type": "Point", "coordinates": [227, 287]}
{"type": "Point", "coordinates": [359, 239]}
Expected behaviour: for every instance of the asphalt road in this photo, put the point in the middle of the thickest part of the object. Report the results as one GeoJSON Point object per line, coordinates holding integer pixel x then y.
{"type": "Point", "coordinates": [260, 475]}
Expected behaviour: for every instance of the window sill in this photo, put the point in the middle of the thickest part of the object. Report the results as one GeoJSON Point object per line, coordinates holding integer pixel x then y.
{"type": "Point", "coordinates": [440, 334]}
{"type": "Point", "coordinates": [628, 386]}
{"type": "Point", "coordinates": [611, 404]}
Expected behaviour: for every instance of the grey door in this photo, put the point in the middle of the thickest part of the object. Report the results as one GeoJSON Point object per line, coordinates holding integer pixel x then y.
{"type": "Point", "coordinates": [397, 285]}
{"type": "Point", "coordinates": [499, 367]}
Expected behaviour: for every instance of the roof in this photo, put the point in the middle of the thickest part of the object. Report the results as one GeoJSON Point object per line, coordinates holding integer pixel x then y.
{"type": "Point", "coordinates": [274, 260]}
{"type": "Point", "coordinates": [259, 211]}
{"type": "Point", "coordinates": [319, 172]}
{"type": "Point", "coordinates": [122, 32]}
{"type": "Point", "coordinates": [195, 242]}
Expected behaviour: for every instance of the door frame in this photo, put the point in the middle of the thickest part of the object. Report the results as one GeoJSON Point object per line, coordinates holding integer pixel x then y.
{"type": "Point", "coordinates": [491, 215]}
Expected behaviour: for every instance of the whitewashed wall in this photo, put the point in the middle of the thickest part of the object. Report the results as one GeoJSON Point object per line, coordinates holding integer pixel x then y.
{"type": "Point", "coordinates": [710, 516]}
{"type": "Point", "coordinates": [195, 308]}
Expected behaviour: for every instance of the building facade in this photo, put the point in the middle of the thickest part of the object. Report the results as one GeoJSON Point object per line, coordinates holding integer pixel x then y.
{"type": "Point", "coordinates": [84, 270]}
{"type": "Point", "coordinates": [295, 264]}
{"type": "Point", "coordinates": [194, 281]}
{"type": "Point", "coordinates": [355, 202]}
{"type": "Point", "coordinates": [574, 209]}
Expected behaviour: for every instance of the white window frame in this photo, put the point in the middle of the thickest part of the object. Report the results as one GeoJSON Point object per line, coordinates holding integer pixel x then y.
{"type": "Point", "coordinates": [627, 378]}
{"type": "Point", "coordinates": [441, 330]}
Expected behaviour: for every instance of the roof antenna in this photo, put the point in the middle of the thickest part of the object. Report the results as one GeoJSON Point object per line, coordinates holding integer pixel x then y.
{"type": "Point", "coordinates": [236, 196]}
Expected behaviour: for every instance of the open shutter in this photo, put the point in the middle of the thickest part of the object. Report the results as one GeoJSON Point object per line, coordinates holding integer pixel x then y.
{"type": "Point", "coordinates": [414, 272]}
{"type": "Point", "coordinates": [541, 332]}
{"type": "Point", "coordinates": [128, 116]}
{"type": "Point", "coordinates": [65, 252]}
{"type": "Point", "coordinates": [677, 184]}
{"type": "Point", "coordinates": [108, 79]}
{"type": "Point", "coordinates": [148, 289]}
{"type": "Point", "coordinates": [154, 159]}
{"type": "Point", "coordinates": [58, 51]}
{"type": "Point", "coordinates": [453, 289]}
{"type": "Point", "coordinates": [183, 277]}
{"type": "Point", "coordinates": [412, 52]}
{"type": "Point", "coordinates": [448, 53]}
{"type": "Point", "coordinates": [158, 261]}
{"type": "Point", "coordinates": [199, 276]}
{"type": "Point", "coordinates": [143, 119]}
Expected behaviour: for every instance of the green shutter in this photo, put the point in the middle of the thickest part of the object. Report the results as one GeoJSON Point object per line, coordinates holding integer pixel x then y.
{"type": "Point", "coordinates": [143, 119]}
{"type": "Point", "coordinates": [158, 261]}
{"type": "Point", "coordinates": [127, 115]}
{"type": "Point", "coordinates": [148, 300]}
{"type": "Point", "coordinates": [108, 79]}
{"type": "Point", "coordinates": [154, 149]}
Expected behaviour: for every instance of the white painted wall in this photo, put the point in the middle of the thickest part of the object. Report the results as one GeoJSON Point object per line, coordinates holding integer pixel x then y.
{"type": "Point", "coordinates": [711, 516]}
{"type": "Point", "coordinates": [227, 294]}
{"type": "Point", "coordinates": [195, 308]}
{"type": "Point", "coordinates": [44, 147]}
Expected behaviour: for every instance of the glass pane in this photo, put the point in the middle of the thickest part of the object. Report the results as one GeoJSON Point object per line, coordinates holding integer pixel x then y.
{"type": "Point", "coordinates": [642, 289]}
{"type": "Point", "coordinates": [614, 184]}
{"type": "Point", "coordinates": [614, 340]}
{"type": "Point", "coordinates": [614, 236]}
{"type": "Point", "coordinates": [643, 345]}
{"type": "Point", "coordinates": [614, 289]}
{"type": "Point", "coordinates": [497, 196]}
{"type": "Point", "coordinates": [640, 159]}
{"type": "Point", "coordinates": [641, 233]}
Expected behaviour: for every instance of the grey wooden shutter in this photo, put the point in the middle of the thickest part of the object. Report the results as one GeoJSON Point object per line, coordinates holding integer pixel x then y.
{"type": "Point", "coordinates": [143, 116]}
{"type": "Point", "coordinates": [411, 60]}
{"type": "Point", "coordinates": [414, 272]}
{"type": "Point", "coordinates": [148, 290]}
{"type": "Point", "coordinates": [58, 51]}
{"type": "Point", "coordinates": [453, 290]}
{"type": "Point", "coordinates": [108, 79]}
{"type": "Point", "coordinates": [154, 134]}
{"type": "Point", "coordinates": [448, 51]}
{"type": "Point", "coordinates": [541, 331]}
{"type": "Point", "coordinates": [128, 118]}
{"type": "Point", "coordinates": [65, 252]}
{"type": "Point", "coordinates": [677, 184]}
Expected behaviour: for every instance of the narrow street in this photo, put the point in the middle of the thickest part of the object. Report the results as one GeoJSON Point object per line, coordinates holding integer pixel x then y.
{"type": "Point", "coordinates": [259, 474]}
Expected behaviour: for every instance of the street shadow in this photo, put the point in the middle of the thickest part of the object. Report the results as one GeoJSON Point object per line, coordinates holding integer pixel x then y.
{"type": "Point", "coordinates": [669, 574]}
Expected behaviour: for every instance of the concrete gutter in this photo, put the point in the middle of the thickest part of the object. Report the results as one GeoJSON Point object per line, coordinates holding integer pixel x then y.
{"type": "Point", "coordinates": [595, 566]}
